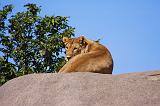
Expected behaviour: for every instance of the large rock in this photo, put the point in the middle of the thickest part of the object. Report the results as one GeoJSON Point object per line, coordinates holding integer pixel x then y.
{"type": "Point", "coordinates": [82, 89]}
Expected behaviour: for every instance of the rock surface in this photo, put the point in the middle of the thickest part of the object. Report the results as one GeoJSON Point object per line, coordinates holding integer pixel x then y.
{"type": "Point", "coordinates": [82, 89]}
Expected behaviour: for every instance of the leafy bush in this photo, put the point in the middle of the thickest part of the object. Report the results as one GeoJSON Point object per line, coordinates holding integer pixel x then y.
{"type": "Point", "coordinates": [32, 42]}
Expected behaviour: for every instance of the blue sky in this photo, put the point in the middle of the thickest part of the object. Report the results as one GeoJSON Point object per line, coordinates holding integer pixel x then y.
{"type": "Point", "coordinates": [129, 28]}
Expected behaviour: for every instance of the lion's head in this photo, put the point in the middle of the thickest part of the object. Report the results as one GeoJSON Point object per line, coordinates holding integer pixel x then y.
{"type": "Point", "coordinates": [74, 46]}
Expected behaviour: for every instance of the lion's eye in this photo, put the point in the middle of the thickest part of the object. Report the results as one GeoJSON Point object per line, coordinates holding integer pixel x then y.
{"type": "Point", "coordinates": [75, 49]}
{"type": "Point", "coordinates": [66, 47]}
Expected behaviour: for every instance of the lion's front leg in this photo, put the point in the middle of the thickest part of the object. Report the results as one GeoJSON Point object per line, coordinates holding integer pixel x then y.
{"type": "Point", "coordinates": [66, 68]}
{"type": "Point", "coordinates": [62, 69]}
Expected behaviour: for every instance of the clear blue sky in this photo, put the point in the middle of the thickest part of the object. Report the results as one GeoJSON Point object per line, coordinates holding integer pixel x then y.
{"type": "Point", "coordinates": [129, 28]}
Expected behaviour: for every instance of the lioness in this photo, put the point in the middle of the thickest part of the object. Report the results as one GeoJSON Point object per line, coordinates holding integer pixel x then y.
{"type": "Point", "coordinates": [84, 55]}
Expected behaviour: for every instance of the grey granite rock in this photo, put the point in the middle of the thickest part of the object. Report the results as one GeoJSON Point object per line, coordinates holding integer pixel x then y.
{"type": "Point", "coordinates": [82, 89]}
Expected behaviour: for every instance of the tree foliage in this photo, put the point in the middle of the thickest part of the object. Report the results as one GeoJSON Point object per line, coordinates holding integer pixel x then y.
{"type": "Point", "coordinates": [32, 42]}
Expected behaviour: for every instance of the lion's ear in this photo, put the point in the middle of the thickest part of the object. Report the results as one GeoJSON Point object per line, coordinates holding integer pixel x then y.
{"type": "Point", "coordinates": [65, 39]}
{"type": "Point", "coordinates": [82, 40]}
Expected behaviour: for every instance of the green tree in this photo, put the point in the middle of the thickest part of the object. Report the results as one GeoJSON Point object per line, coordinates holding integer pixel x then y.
{"type": "Point", "coordinates": [34, 43]}
{"type": "Point", "coordinates": [7, 71]}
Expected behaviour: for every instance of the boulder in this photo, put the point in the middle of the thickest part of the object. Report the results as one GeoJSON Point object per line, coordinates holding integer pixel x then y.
{"type": "Point", "coordinates": [82, 89]}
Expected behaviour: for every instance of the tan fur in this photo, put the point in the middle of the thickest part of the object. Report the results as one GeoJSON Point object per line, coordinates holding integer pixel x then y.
{"type": "Point", "coordinates": [86, 56]}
